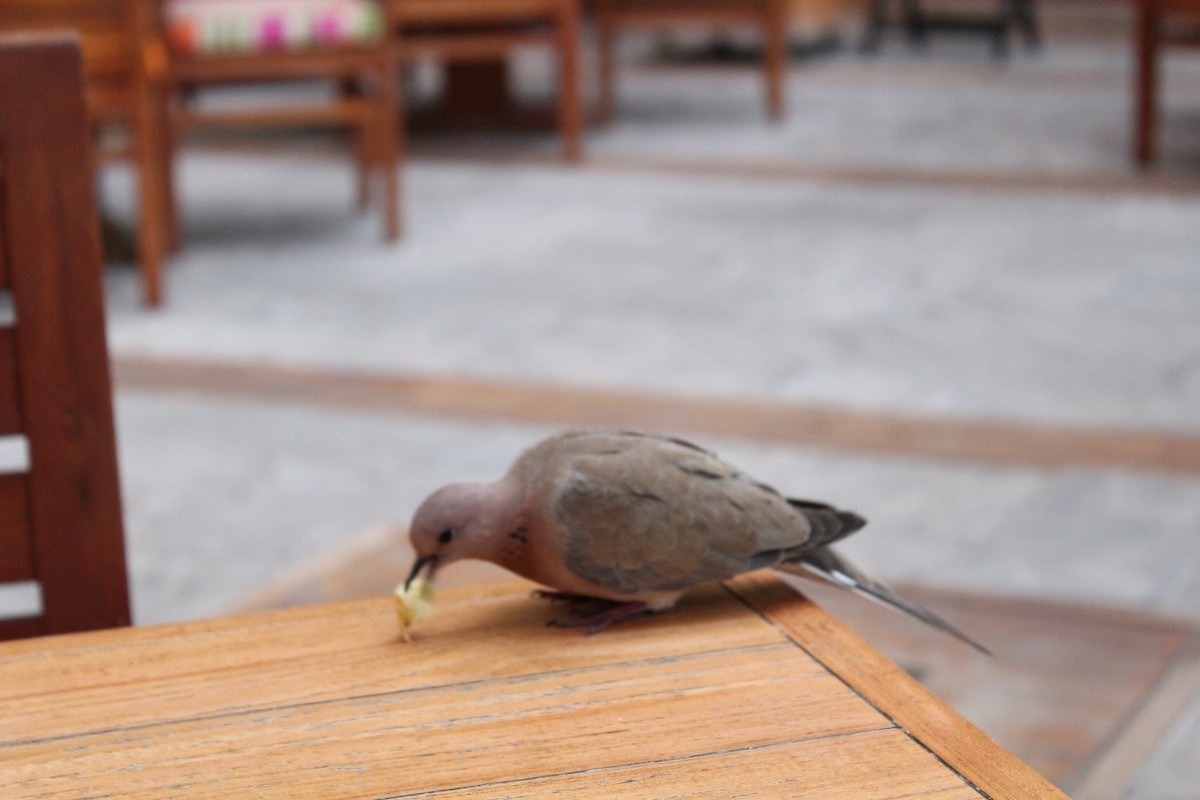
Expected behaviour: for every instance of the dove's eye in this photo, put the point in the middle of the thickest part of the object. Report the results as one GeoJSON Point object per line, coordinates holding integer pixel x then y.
{"type": "Point", "coordinates": [445, 536]}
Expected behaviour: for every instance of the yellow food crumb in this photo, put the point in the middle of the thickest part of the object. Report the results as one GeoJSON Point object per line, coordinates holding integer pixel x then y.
{"type": "Point", "coordinates": [412, 605]}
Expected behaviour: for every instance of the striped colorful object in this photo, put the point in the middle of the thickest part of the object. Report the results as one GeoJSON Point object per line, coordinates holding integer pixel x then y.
{"type": "Point", "coordinates": [255, 26]}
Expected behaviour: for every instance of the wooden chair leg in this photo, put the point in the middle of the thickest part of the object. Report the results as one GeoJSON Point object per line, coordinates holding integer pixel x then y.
{"type": "Point", "coordinates": [149, 142]}
{"type": "Point", "coordinates": [913, 20]}
{"type": "Point", "coordinates": [390, 108]}
{"type": "Point", "coordinates": [1000, 39]}
{"type": "Point", "coordinates": [361, 144]}
{"type": "Point", "coordinates": [168, 157]}
{"type": "Point", "coordinates": [362, 167]}
{"type": "Point", "coordinates": [873, 33]}
{"type": "Point", "coordinates": [1025, 17]}
{"type": "Point", "coordinates": [775, 45]}
{"type": "Point", "coordinates": [570, 99]}
{"type": "Point", "coordinates": [605, 42]}
{"type": "Point", "coordinates": [1145, 89]}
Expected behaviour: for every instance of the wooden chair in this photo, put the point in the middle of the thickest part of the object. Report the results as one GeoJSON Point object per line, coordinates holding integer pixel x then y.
{"type": "Point", "coordinates": [60, 518]}
{"type": "Point", "coordinates": [1158, 23]}
{"type": "Point", "coordinates": [473, 37]}
{"type": "Point", "coordinates": [119, 94]}
{"type": "Point", "coordinates": [772, 18]}
{"type": "Point", "coordinates": [233, 51]}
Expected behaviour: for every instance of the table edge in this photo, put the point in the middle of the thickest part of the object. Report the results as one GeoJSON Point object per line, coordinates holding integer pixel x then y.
{"type": "Point", "coordinates": [961, 745]}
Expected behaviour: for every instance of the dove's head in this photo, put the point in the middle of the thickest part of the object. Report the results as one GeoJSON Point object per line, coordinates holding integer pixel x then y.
{"type": "Point", "coordinates": [457, 521]}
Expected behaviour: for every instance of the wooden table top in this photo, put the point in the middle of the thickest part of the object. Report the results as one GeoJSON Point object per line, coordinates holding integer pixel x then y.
{"type": "Point", "coordinates": [747, 690]}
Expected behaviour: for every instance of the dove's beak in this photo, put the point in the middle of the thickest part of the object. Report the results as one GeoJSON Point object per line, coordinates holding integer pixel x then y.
{"type": "Point", "coordinates": [420, 564]}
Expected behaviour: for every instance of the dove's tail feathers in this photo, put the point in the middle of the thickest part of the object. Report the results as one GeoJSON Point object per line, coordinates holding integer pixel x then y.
{"type": "Point", "coordinates": [828, 565]}
{"type": "Point", "coordinates": [828, 523]}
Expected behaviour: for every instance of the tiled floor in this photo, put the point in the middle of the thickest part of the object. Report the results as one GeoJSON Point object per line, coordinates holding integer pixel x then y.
{"type": "Point", "coordinates": [931, 234]}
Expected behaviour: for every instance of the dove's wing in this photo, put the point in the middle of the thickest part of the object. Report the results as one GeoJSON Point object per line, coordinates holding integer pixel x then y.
{"type": "Point", "coordinates": [641, 514]}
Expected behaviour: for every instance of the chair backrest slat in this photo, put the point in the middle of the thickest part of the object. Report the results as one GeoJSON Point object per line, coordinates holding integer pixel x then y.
{"type": "Point", "coordinates": [16, 551]}
{"type": "Point", "coordinates": [10, 416]}
{"type": "Point", "coordinates": [19, 628]}
{"type": "Point", "coordinates": [59, 364]}
{"type": "Point", "coordinates": [16, 559]}
{"type": "Point", "coordinates": [4, 284]}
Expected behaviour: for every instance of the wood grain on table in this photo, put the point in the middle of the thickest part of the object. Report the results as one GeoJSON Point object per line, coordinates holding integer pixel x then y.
{"type": "Point", "coordinates": [718, 698]}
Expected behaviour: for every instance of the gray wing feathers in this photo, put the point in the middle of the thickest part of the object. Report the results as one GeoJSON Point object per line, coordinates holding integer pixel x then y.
{"type": "Point", "coordinates": [642, 514]}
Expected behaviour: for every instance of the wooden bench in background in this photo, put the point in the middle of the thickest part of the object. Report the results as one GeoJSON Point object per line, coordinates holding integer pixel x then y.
{"type": "Point", "coordinates": [366, 100]}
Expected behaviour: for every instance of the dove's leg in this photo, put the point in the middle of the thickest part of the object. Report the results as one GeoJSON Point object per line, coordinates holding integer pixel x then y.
{"type": "Point", "coordinates": [566, 597]}
{"type": "Point", "coordinates": [598, 622]}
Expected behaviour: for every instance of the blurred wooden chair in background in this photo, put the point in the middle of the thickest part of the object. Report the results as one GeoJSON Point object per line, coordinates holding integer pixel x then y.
{"type": "Point", "coordinates": [120, 97]}
{"type": "Point", "coordinates": [773, 19]}
{"type": "Point", "coordinates": [60, 516]}
{"type": "Point", "coordinates": [1158, 23]}
{"type": "Point", "coordinates": [341, 43]}
{"type": "Point", "coordinates": [474, 37]}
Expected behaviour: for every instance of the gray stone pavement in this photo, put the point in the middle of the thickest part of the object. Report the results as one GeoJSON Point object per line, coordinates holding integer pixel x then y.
{"type": "Point", "coordinates": [1042, 304]}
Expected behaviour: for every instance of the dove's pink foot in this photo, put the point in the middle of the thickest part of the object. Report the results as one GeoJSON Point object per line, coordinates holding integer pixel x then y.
{"type": "Point", "coordinates": [598, 622]}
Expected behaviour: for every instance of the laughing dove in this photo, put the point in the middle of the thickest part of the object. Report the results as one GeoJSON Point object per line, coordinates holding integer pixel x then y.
{"type": "Point", "coordinates": [638, 520]}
